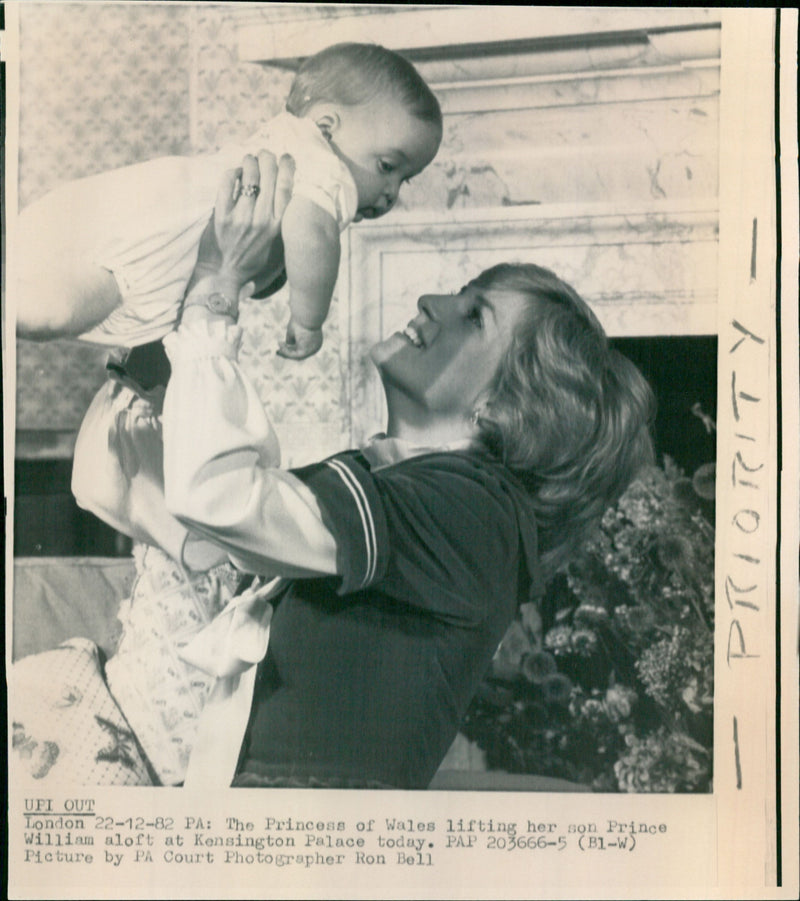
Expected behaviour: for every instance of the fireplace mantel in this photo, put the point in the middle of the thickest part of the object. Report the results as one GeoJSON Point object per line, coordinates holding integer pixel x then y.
{"type": "Point", "coordinates": [519, 56]}
{"type": "Point", "coordinates": [425, 33]}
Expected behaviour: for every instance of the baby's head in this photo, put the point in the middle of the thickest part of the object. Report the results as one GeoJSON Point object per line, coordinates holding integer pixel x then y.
{"type": "Point", "coordinates": [381, 118]}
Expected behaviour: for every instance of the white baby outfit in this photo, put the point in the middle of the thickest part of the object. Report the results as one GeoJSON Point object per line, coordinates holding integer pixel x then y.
{"type": "Point", "coordinates": [144, 222]}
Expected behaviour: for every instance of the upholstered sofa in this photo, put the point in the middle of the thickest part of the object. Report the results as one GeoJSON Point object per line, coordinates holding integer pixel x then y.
{"type": "Point", "coordinates": [56, 598]}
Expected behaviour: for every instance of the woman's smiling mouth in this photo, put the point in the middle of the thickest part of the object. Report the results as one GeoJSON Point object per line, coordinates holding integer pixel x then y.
{"type": "Point", "coordinates": [413, 335]}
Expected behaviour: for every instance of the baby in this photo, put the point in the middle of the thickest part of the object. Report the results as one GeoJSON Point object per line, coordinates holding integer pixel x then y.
{"type": "Point", "coordinates": [121, 246]}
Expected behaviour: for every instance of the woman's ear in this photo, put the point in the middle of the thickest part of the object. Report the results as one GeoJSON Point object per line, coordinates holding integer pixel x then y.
{"type": "Point", "coordinates": [482, 405]}
{"type": "Point", "coordinates": [480, 412]}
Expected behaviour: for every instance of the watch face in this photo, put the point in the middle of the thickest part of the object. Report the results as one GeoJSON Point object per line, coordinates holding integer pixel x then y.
{"type": "Point", "coordinates": [216, 303]}
{"type": "Point", "coordinates": [219, 303]}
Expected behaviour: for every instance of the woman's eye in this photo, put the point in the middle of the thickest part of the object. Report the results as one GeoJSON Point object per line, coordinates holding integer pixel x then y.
{"type": "Point", "coordinates": [475, 316]}
{"type": "Point", "coordinates": [385, 166]}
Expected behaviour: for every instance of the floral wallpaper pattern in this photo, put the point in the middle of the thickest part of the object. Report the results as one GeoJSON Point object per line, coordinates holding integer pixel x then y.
{"type": "Point", "coordinates": [102, 85]}
{"type": "Point", "coordinates": [232, 98]}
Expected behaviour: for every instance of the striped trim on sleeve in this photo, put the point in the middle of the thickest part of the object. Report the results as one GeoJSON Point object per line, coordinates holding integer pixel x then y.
{"type": "Point", "coordinates": [367, 521]}
{"type": "Point", "coordinates": [353, 511]}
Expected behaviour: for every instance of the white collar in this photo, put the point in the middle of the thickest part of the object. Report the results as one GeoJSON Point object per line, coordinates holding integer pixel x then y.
{"type": "Point", "coordinates": [381, 451]}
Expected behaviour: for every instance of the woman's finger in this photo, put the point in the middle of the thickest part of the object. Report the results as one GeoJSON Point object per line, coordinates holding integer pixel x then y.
{"type": "Point", "coordinates": [267, 166]}
{"type": "Point", "coordinates": [228, 192]}
{"type": "Point", "coordinates": [251, 178]}
{"type": "Point", "coordinates": [247, 291]}
{"type": "Point", "coordinates": [283, 186]}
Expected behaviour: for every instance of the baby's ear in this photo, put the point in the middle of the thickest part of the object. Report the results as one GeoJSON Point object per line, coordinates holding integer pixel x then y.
{"type": "Point", "coordinates": [327, 119]}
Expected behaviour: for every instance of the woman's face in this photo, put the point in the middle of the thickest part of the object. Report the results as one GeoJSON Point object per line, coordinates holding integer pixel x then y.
{"type": "Point", "coordinates": [445, 358]}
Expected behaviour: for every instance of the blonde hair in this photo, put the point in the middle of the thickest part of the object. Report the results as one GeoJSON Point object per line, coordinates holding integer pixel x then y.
{"type": "Point", "coordinates": [566, 413]}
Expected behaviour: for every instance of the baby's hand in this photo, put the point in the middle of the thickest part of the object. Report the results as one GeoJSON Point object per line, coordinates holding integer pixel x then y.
{"type": "Point", "coordinates": [300, 342]}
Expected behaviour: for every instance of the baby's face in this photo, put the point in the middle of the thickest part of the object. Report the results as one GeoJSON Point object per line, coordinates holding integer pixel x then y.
{"type": "Point", "coordinates": [383, 145]}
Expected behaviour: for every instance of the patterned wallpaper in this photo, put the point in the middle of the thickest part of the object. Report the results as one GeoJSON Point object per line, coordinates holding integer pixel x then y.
{"type": "Point", "coordinates": [102, 85]}
{"type": "Point", "coordinates": [232, 98]}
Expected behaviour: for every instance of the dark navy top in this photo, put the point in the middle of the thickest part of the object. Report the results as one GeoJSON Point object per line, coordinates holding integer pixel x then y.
{"type": "Point", "coordinates": [369, 673]}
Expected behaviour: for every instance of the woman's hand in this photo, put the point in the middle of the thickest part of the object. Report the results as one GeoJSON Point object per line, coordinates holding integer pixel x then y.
{"type": "Point", "coordinates": [247, 218]}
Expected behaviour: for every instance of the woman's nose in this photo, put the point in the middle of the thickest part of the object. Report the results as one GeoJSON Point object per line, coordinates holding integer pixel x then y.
{"type": "Point", "coordinates": [434, 305]}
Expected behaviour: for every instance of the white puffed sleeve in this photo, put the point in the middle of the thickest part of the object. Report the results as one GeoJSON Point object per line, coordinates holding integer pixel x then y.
{"type": "Point", "coordinates": [220, 462]}
{"type": "Point", "coordinates": [118, 473]}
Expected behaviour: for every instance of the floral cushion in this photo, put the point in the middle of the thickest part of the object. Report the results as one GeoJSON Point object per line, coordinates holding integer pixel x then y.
{"type": "Point", "coordinates": [66, 727]}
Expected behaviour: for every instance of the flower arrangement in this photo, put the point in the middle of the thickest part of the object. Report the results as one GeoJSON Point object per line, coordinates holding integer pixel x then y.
{"type": "Point", "coordinates": [609, 682]}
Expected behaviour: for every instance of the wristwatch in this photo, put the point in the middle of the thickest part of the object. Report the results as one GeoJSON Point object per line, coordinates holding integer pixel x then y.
{"type": "Point", "coordinates": [216, 302]}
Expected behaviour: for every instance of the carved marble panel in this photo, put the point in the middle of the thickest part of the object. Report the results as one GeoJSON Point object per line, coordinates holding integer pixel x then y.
{"type": "Point", "coordinates": [663, 150]}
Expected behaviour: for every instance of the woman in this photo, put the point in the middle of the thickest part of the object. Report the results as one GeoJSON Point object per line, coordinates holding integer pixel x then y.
{"type": "Point", "coordinates": [511, 427]}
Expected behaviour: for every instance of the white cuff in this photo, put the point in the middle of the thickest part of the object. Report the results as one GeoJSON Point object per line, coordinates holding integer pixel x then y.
{"type": "Point", "coordinates": [201, 339]}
